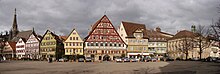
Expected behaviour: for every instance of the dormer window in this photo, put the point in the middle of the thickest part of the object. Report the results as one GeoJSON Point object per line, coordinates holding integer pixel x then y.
{"type": "Point", "coordinates": [138, 35]}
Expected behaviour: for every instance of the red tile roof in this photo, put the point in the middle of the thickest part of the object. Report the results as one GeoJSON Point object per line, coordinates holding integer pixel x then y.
{"type": "Point", "coordinates": [156, 36]}
{"type": "Point", "coordinates": [131, 27]}
{"type": "Point", "coordinates": [13, 45]}
{"type": "Point", "coordinates": [184, 33]}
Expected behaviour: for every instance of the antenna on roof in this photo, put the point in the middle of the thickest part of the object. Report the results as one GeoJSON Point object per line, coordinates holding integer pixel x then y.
{"type": "Point", "coordinates": [105, 12]}
{"type": "Point", "coordinates": [74, 27]}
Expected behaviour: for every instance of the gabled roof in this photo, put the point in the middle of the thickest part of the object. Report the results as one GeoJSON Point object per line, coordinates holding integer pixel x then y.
{"type": "Point", "coordinates": [99, 21]}
{"type": "Point", "coordinates": [104, 19]}
{"type": "Point", "coordinates": [22, 34]}
{"type": "Point", "coordinates": [95, 25]}
{"type": "Point", "coordinates": [183, 34]}
{"type": "Point", "coordinates": [24, 40]}
{"type": "Point", "coordinates": [63, 38]}
{"type": "Point", "coordinates": [131, 27]}
{"type": "Point", "coordinates": [54, 35]}
{"type": "Point", "coordinates": [12, 45]}
{"type": "Point", "coordinates": [71, 33]}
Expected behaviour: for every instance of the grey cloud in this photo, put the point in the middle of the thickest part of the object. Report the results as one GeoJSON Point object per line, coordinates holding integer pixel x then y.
{"type": "Point", "coordinates": [61, 16]}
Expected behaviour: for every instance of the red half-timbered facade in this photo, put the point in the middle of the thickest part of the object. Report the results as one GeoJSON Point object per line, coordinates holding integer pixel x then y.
{"type": "Point", "coordinates": [103, 41]}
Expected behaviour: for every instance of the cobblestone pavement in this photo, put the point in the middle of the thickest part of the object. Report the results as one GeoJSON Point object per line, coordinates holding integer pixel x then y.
{"type": "Point", "coordinates": [174, 67]}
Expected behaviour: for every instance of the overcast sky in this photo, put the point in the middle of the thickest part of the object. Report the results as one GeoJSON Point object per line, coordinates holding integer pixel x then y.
{"type": "Point", "coordinates": [61, 16]}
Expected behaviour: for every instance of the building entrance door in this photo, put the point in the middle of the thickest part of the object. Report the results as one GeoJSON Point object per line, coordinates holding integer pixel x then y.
{"type": "Point", "coordinates": [106, 57]}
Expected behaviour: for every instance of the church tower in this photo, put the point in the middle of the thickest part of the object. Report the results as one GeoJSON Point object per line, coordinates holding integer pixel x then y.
{"type": "Point", "coordinates": [14, 30]}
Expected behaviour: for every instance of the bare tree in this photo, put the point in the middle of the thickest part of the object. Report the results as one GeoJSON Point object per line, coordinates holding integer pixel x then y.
{"type": "Point", "coordinates": [202, 42]}
{"type": "Point", "coordinates": [216, 35]}
{"type": "Point", "coordinates": [186, 45]}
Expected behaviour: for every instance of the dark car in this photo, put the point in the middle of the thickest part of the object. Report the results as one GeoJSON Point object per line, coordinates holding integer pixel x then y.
{"type": "Point", "coordinates": [217, 60]}
{"type": "Point", "coordinates": [147, 59]}
{"type": "Point", "coordinates": [210, 59]}
{"type": "Point", "coordinates": [126, 59]}
{"type": "Point", "coordinates": [81, 60]}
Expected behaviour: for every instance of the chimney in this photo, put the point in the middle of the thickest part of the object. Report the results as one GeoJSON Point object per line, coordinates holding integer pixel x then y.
{"type": "Point", "coordinates": [158, 29]}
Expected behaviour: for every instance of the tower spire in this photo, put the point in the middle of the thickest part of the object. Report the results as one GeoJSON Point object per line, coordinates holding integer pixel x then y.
{"type": "Point", "coordinates": [15, 25]}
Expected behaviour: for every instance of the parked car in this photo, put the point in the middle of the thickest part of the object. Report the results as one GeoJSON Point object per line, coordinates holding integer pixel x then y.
{"type": "Point", "coordinates": [169, 59]}
{"type": "Point", "coordinates": [88, 59]}
{"type": "Point", "coordinates": [195, 59]}
{"type": "Point", "coordinates": [63, 60]}
{"type": "Point", "coordinates": [210, 59]}
{"type": "Point", "coordinates": [81, 60]}
{"type": "Point", "coordinates": [154, 59]}
{"type": "Point", "coordinates": [134, 59]}
{"type": "Point", "coordinates": [217, 60]}
{"type": "Point", "coordinates": [147, 59]}
{"type": "Point", "coordinates": [126, 59]}
{"type": "Point", "coordinates": [118, 59]}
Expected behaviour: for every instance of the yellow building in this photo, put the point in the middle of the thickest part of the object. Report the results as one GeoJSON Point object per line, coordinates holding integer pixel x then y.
{"type": "Point", "coordinates": [73, 45]}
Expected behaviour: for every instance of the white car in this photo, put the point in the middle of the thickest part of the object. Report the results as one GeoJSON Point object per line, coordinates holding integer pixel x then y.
{"type": "Point", "coordinates": [118, 59]}
{"type": "Point", "coordinates": [134, 59]}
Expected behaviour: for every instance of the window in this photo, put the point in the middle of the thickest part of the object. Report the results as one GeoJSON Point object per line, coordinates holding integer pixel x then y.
{"type": "Point", "coordinates": [97, 44]}
{"type": "Point", "coordinates": [76, 38]}
{"type": "Point", "coordinates": [110, 44]}
{"type": "Point", "coordinates": [70, 50]}
{"type": "Point", "coordinates": [73, 38]}
{"type": "Point", "coordinates": [67, 50]}
{"type": "Point", "coordinates": [70, 44]}
{"type": "Point", "coordinates": [94, 37]}
{"type": "Point", "coordinates": [105, 25]}
{"type": "Point", "coordinates": [47, 38]}
{"type": "Point", "coordinates": [76, 43]}
{"type": "Point", "coordinates": [101, 44]}
{"type": "Point", "coordinates": [88, 44]}
{"type": "Point", "coordinates": [73, 43]}
{"type": "Point", "coordinates": [106, 44]}
{"type": "Point", "coordinates": [115, 44]}
{"type": "Point", "coordinates": [70, 38]}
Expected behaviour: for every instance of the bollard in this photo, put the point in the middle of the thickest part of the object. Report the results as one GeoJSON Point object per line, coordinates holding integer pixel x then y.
{"type": "Point", "coordinates": [76, 60]}
{"type": "Point", "coordinates": [84, 61]}
{"type": "Point", "coordinates": [145, 60]}
{"type": "Point", "coordinates": [130, 60]}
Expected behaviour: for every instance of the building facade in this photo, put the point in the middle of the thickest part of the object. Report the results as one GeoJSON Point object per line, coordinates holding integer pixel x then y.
{"type": "Point", "coordinates": [135, 36]}
{"type": "Point", "coordinates": [20, 48]}
{"type": "Point", "coordinates": [33, 46]}
{"type": "Point", "coordinates": [51, 46]}
{"type": "Point", "coordinates": [183, 45]}
{"type": "Point", "coordinates": [9, 51]}
{"type": "Point", "coordinates": [157, 44]}
{"type": "Point", "coordinates": [104, 42]}
{"type": "Point", "coordinates": [73, 45]}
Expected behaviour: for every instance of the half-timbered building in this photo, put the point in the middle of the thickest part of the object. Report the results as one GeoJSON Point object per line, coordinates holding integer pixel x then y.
{"type": "Point", "coordinates": [33, 46]}
{"type": "Point", "coordinates": [103, 41]}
